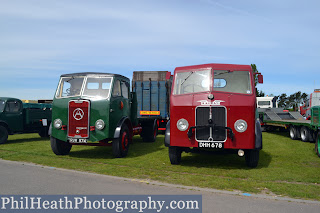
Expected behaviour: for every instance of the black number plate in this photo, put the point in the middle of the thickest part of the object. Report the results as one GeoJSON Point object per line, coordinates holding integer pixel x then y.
{"type": "Point", "coordinates": [212, 145]}
{"type": "Point", "coordinates": [78, 140]}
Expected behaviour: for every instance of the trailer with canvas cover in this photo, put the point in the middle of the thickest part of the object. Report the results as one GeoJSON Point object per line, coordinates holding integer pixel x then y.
{"type": "Point", "coordinates": [18, 117]}
{"type": "Point", "coordinates": [213, 106]}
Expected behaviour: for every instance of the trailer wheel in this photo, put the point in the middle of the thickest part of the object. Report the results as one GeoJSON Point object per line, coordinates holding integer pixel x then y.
{"type": "Point", "coordinates": [294, 132]}
{"type": "Point", "coordinates": [120, 146]}
{"type": "Point", "coordinates": [305, 134]}
{"type": "Point", "coordinates": [3, 134]}
{"type": "Point", "coordinates": [150, 133]}
{"type": "Point", "coordinates": [175, 155]}
{"type": "Point", "coordinates": [317, 145]}
{"type": "Point", "coordinates": [252, 158]}
{"type": "Point", "coordinates": [60, 147]}
{"type": "Point", "coordinates": [44, 133]}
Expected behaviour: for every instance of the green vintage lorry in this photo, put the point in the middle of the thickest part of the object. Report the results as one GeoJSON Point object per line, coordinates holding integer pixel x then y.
{"type": "Point", "coordinates": [96, 109]}
{"type": "Point", "coordinates": [18, 117]}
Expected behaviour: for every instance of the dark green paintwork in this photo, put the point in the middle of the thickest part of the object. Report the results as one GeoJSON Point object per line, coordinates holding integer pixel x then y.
{"type": "Point", "coordinates": [315, 116]}
{"type": "Point", "coordinates": [106, 109]}
{"type": "Point", "coordinates": [27, 118]}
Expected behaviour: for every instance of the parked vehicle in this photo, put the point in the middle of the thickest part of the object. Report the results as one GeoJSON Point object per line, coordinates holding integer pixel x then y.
{"type": "Point", "coordinates": [98, 109]}
{"type": "Point", "coordinates": [152, 89]}
{"type": "Point", "coordinates": [299, 128]}
{"type": "Point", "coordinates": [267, 102]}
{"type": "Point", "coordinates": [18, 117]}
{"type": "Point", "coordinates": [213, 106]}
{"type": "Point", "coordinates": [313, 100]}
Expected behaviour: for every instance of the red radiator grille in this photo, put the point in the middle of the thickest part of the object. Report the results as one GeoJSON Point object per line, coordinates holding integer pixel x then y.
{"type": "Point", "coordinates": [78, 122]}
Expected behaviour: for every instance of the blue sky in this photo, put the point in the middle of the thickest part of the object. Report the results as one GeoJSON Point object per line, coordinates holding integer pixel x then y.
{"type": "Point", "coordinates": [42, 39]}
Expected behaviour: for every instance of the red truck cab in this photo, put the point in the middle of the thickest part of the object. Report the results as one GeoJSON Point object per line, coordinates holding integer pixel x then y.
{"type": "Point", "coordinates": [213, 106]}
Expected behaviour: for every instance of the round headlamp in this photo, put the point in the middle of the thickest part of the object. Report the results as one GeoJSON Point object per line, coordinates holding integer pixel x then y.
{"type": "Point", "coordinates": [182, 124]}
{"type": "Point", "coordinates": [57, 123]}
{"type": "Point", "coordinates": [240, 125]}
{"type": "Point", "coordinates": [99, 124]}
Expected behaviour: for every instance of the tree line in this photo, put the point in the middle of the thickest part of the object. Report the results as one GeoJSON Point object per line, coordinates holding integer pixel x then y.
{"type": "Point", "coordinates": [292, 101]}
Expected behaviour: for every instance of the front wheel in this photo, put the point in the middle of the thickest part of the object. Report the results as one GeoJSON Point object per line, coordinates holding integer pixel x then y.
{"type": "Point", "coordinates": [60, 147]}
{"type": "Point", "coordinates": [175, 155]}
{"type": "Point", "coordinates": [252, 158]}
{"type": "Point", "coordinates": [317, 145]}
{"type": "Point", "coordinates": [120, 146]}
{"type": "Point", "coordinates": [3, 134]}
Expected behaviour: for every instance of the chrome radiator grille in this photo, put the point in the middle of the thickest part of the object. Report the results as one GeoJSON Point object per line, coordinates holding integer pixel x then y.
{"type": "Point", "coordinates": [218, 117]}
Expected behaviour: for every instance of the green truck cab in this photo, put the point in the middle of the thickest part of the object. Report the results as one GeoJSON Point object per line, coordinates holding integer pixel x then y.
{"type": "Point", "coordinates": [18, 117]}
{"type": "Point", "coordinates": [94, 109]}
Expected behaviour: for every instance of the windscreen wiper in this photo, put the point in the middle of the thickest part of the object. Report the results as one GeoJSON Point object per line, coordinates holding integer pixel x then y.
{"type": "Point", "coordinates": [186, 78]}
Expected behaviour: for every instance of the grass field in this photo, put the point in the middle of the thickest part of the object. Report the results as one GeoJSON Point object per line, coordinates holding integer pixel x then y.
{"type": "Point", "coordinates": [286, 167]}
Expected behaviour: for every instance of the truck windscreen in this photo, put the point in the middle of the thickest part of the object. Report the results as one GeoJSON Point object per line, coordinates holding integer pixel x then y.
{"type": "Point", "coordinates": [2, 104]}
{"type": "Point", "coordinates": [97, 87]}
{"type": "Point", "coordinates": [69, 87]}
{"type": "Point", "coordinates": [196, 81]}
{"type": "Point", "coordinates": [192, 82]}
{"type": "Point", "coordinates": [234, 82]}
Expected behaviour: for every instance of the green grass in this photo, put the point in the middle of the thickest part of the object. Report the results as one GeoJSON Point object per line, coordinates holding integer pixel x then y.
{"type": "Point", "coordinates": [286, 167]}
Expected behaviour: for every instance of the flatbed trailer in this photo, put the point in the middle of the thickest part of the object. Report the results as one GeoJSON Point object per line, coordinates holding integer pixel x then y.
{"type": "Point", "coordinates": [306, 130]}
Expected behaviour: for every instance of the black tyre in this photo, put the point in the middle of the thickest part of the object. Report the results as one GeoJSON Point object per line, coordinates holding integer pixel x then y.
{"type": "Point", "coordinates": [3, 134]}
{"type": "Point", "coordinates": [317, 145]}
{"type": "Point", "coordinates": [120, 146]}
{"type": "Point", "coordinates": [175, 155]}
{"type": "Point", "coordinates": [44, 133]}
{"type": "Point", "coordinates": [252, 158]}
{"type": "Point", "coordinates": [294, 132]}
{"type": "Point", "coordinates": [60, 147]}
{"type": "Point", "coordinates": [150, 133]}
{"type": "Point", "coordinates": [305, 134]}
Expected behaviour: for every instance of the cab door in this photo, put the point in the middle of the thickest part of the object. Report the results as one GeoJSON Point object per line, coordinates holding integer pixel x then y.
{"type": "Point", "coordinates": [118, 106]}
{"type": "Point", "coordinates": [14, 116]}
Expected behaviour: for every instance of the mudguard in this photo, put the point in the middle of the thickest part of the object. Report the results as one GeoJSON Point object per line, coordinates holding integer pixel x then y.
{"type": "Point", "coordinates": [124, 120]}
{"type": "Point", "coordinates": [50, 129]}
{"type": "Point", "coordinates": [258, 134]}
{"type": "Point", "coordinates": [167, 135]}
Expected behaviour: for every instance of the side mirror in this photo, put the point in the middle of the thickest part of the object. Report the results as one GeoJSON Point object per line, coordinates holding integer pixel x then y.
{"type": "Point", "coordinates": [260, 79]}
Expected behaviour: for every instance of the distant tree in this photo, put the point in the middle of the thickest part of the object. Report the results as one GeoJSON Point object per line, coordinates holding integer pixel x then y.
{"type": "Point", "coordinates": [292, 101]}
{"type": "Point", "coordinates": [282, 100]}
{"type": "Point", "coordinates": [255, 70]}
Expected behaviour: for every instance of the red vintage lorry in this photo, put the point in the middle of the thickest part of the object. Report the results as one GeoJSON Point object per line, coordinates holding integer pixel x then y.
{"type": "Point", "coordinates": [213, 106]}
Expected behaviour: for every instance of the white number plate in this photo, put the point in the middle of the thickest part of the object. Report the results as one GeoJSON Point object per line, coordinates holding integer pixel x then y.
{"type": "Point", "coordinates": [78, 140]}
{"type": "Point", "coordinates": [213, 145]}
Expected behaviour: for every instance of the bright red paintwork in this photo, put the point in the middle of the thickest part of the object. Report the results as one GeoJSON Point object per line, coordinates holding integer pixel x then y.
{"type": "Point", "coordinates": [78, 122]}
{"type": "Point", "coordinates": [238, 106]}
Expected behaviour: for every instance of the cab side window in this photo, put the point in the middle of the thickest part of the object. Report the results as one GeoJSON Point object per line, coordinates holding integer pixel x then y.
{"type": "Point", "coordinates": [13, 106]}
{"type": "Point", "coordinates": [125, 89]}
{"type": "Point", "coordinates": [116, 89]}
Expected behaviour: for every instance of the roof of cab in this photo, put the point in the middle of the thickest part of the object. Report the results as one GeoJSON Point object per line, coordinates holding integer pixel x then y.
{"type": "Point", "coordinates": [8, 98]}
{"type": "Point", "coordinates": [232, 67]}
{"type": "Point", "coordinates": [93, 74]}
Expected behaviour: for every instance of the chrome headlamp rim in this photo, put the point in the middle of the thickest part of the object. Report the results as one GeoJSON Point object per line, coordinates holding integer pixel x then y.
{"type": "Point", "coordinates": [182, 124]}
{"type": "Point", "coordinates": [100, 124]}
{"type": "Point", "coordinates": [240, 125]}
{"type": "Point", "coordinates": [57, 123]}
